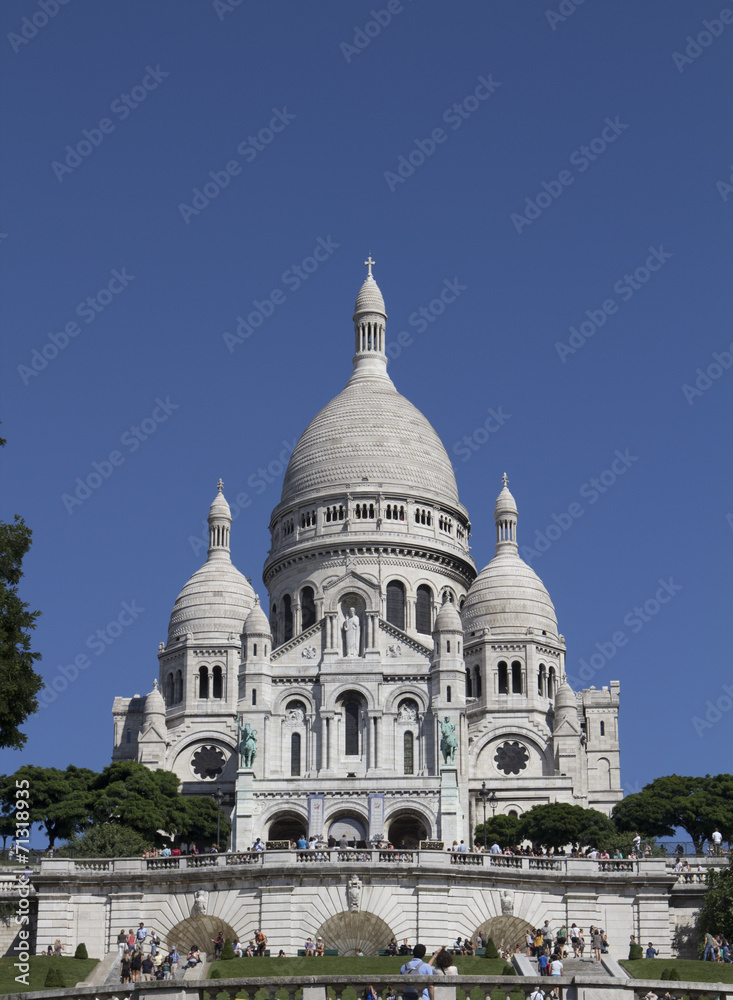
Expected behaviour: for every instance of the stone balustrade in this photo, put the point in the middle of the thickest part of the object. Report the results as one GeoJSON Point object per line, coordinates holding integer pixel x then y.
{"type": "Point", "coordinates": [578, 987]}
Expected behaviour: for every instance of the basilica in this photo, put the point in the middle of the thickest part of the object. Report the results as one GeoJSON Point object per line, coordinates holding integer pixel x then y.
{"type": "Point", "coordinates": [389, 691]}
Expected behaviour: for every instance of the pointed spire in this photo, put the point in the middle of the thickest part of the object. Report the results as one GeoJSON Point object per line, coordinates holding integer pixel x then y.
{"type": "Point", "coordinates": [370, 320]}
{"type": "Point", "coordinates": [505, 516]}
{"type": "Point", "coordinates": [220, 522]}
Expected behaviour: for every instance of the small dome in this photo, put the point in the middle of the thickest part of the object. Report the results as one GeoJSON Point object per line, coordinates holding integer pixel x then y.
{"type": "Point", "coordinates": [213, 604]}
{"type": "Point", "coordinates": [505, 502]}
{"type": "Point", "coordinates": [369, 298]}
{"type": "Point", "coordinates": [220, 507]}
{"type": "Point", "coordinates": [448, 619]}
{"type": "Point", "coordinates": [508, 594]}
{"type": "Point", "coordinates": [256, 622]}
{"type": "Point", "coordinates": [565, 698]}
{"type": "Point", "coordinates": [154, 704]}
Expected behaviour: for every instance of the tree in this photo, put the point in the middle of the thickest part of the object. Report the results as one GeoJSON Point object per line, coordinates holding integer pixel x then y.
{"type": "Point", "coordinates": [716, 912]}
{"type": "Point", "coordinates": [199, 820]}
{"type": "Point", "coordinates": [131, 795]}
{"type": "Point", "coordinates": [558, 823]}
{"type": "Point", "coordinates": [19, 683]}
{"type": "Point", "coordinates": [106, 840]}
{"type": "Point", "coordinates": [503, 830]}
{"type": "Point", "coordinates": [697, 805]}
{"type": "Point", "coordinates": [59, 800]}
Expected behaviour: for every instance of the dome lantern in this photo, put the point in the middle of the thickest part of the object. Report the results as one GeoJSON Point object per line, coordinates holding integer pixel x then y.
{"type": "Point", "coordinates": [370, 320]}
{"type": "Point", "coordinates": [505, 516]}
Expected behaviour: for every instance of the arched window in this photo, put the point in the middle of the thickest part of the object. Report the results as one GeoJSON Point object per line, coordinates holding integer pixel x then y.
{"type": "Point", "coordinates": [551, 683]}
{"type": "Point", "coordinates": [351, 729]}
{"type": "Point", "coordinates": [542, 680]}
{"type": "Point", "coordinates": [273, 622]}
{"type": "Point", "coordinates": [409, 753]}
{"type": "Point", "coordinates": [203, 682]}
{"type": "Point", "coordinates": [396, 603]}
{"type": "Point", "coordinates": [478, 681]}
{"type": "Point", "coordinates": [424, 610]}
{"type": "Point", "coordinates": [516, 677]}
{"type": "Point", "coordinates": [178, 688]}
{"type": "Point", "coordinates": [129, 736]}
{"type": "Point", "coordinates": [287, 618]}
{"type": "Point", "coordinates": [448, 693]}
{"type": "Point", "coordinates": [295, 755]}
{"type": "Point", "coordinates": [217, 682]}
{"type": "Point", "coordinates": [603, 729]}
{"type": "Point", "coordinates": [469, 685]}
{"type": "Point", "coordinates": [503, 677]}
{"type": "Point", "coordinates": [169, 690]}
{"type": "Point", "coordinates": [307, 607]}
{"type": "Point", "coordinates": [254, 696]}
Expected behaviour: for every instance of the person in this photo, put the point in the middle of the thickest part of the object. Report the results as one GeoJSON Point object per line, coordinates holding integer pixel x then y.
{"type": "Point", "coordinates": [417, 966]}
{"type": "Point", "coordinates": [147, 968]}
{"type": "Point", "coordinates": [556, 966]}
{"type": "Point", "coordinates": [136, 964]}
{"type": "Point", "coordinates": [261, 942]}
{"type": "Point", "coordinates": [537, 994]}
{"type": "Point", "coordinates": [164, 972]}
{"type": "Point", "coordinates": [442, 961]}
{"type": "Point", "coordinates": [281, 954]}
{"type": "Point", "coordinates": [58, 948]}
{"type": "Point", "coordinates": [121, 944]}
{"type": "Point", "coordinates": [390, 994]}
{"type": "Point", "coordinates": [193, 958]}
{"type": "Point", "coordinates": [709, 948]}
{"type": "Point", "coordinates": [218, 946]}
{"type": "Point", "coordinates": [495, 849]}
{"type": "Point", "coordinates": [258, 845]}
{"type": "Point", "coordinates": [575, 940]}
{"type": "Point", "coordinates": [468, 947]}
{"type": "Point", "coordinates": [302, 843]}
{"type": "Point", "coordinates": [250, 950]}
{"type": "Point", "coordinates": [174, 958]}
{"type": "Point", "coordinates": [154, 944]}
{"type": "Point", "coordinates": [542, 963]}
{"type": "Point", "coordinates": [596, 942]}
{"type": "Point", "coordinates": [651, 951]}
{"type": "Point", "coordinates": [131, 940]}
{"type": "Point", "coordinates": [457, 946]}
{"type": "Point", "coordinates": [637, 843]}
{"type": "Point", "coordinates": [480, 943]}
{"type": "Point", "coordinates": [125, 967]}
{"type": "Point", "coordinates": [404, 947]}
{"type": "Point", "coordinates": [548, 938]}
{"type": "Point", "coordinates": [391, 948]}
{"type": "Point", "coordinates": [371, 993]}
{"type": "Point", "coordinates": [141, 933]}
{"type": "Point", "coordinates": [717, 842]}
{"type": "Point", "coordinates": [310, 948]}
{"type": "Point", "coordinates": [320, 948]}
{"type": "Point", "coordinates": [237, 948]}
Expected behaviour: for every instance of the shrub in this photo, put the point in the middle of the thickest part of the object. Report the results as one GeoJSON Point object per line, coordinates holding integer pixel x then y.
{"type": "Point", "coordinates": [227, 952]}
{"type": "Point", "coordinates": [491, 949]}
{"type": "Point", "coordinates": [81, 951]}
{"type": "Point", "coordinates": [665, 974]}
{"type": "Point", "coordinates": [635, 952]}
{"type": "Point", "coordinates": [508, 970]}
{"type": "Point", "coordinates": [55, 978]}
{"type": "Point", "coordinates": [215, 974]}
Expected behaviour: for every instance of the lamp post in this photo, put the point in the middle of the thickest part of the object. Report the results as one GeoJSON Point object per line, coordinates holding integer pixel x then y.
{"type": "Point", "coordinates": [218, 795]}
{"type": "Point", "coordinates": [488, 796]}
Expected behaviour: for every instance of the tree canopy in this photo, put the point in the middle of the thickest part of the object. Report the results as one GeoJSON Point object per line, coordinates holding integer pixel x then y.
{"type": "Point", "coordinates": [502, 830]}
{"type": "Point", "coordinates": [697, 805]}
{"type": "Point", "coordinates": [59, 800]}
{"type": "Point", "coordinates": [716, 912]}
{"type": "Point", "coordinates": [19, 682]}
{"type": "Point", "coordinates": [558, 823]}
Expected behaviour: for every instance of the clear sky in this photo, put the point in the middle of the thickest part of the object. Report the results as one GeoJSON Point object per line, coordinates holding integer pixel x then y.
{"type": "Point", "coordinates": [563, 178]}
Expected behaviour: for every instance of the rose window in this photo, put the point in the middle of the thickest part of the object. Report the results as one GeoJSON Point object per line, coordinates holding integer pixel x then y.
{"type": "Point", "coordinates": [208, 762]}
{"type": "Point", "coordinates": [511, 757]}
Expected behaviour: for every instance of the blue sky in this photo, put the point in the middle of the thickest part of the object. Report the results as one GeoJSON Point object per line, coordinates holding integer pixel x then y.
{"type": "Point", "coordinates": [567, 175]}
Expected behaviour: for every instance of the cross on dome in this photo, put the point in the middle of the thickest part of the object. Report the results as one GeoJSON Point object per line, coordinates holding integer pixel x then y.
{"type": "Point", "coordinates": [220, 484]}
{"type": "Point", "coordinates": [503, 479]}
{"type": "Point", "coordinates": [370, 264]}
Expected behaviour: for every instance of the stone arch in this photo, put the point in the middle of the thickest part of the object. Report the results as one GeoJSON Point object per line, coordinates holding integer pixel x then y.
{"type": "Point", "coordinates": [349, 933]}
{"type": "Point", "coordinates": [286, 824]}
{"type": "Point", "coordinates": [367, 596]}
{"type": "Point", "coordinates": [507, 932]}
{"type": "Point", "coordinates": [486, 743]}
{"type": "Point", "coordinates": [183, 763]}
{"type": "Point", "coordinates": [408, 825]}
{"type": "Point", "coordinates": [200, 930]}
{"type": "Point", "coordinates": [349, 820]}
{"type": "Point", "coordinates": [295, 693]}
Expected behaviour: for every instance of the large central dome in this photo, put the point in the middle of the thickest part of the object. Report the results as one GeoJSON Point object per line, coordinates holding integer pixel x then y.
{"type": "Point", "coordinates": [369, 431]}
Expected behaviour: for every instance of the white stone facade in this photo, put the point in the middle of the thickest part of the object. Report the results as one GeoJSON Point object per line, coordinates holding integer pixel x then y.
{"type": "Point", "coordinates": [363, 656]}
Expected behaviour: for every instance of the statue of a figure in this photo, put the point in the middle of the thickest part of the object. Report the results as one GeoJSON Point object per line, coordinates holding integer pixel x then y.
{"type": "Point", "coordinates": [352, 628]}
{"type": "Point", "coordinates": [200, 902]}
{"type": "Point", "coordinates": [448, 741]}
{"type": "Point", "coordinates": [247, 737]}
{"type": "Point", "coordinates": [507, 903]}
{"type": "Point", "coordinates": [353, 890]}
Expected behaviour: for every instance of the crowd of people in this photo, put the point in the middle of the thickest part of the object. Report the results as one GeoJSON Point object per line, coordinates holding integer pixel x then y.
{"type": "Point", "coordinates": [550, 949]}
{"type": "Point", "coordinates": [717, 948]}
{"type": "Point", "coordinates": [137, 964]}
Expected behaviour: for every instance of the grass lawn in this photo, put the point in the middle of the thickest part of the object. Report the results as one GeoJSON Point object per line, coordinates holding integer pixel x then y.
{"type": "Point", "coordinates": [337, 966]}
{"type": "Point", "coordinates": [74, 971]}
{"type": "Point", "coordinates": [688, 970]}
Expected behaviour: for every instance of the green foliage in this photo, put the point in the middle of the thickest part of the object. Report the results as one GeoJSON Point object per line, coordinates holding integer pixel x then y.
{"type": "Point", "coordinates": [215, 974]}
{"type": "Point", "coordinates": [198, 821]}
{"type": "Point", "coordinates": [503, 830]}
{"type": "Point", "coordinates": [491, 950]}
{"type": "Point", "coordinates": [59, 800]}
{"type": "Point", "coordinates": [716, 913]}
{"type": "Point", "coordinates": [508, 970]}
{"type": "Point", "coordinates": [19, 682]}
{"type": "Point", "coordinates": [132, 795]}
{"type": "Point", "coordinates": [81, 951]}
{"type": "Point", "coordinates": [54, 977]}
{"type": "Point", "coordinates": [107, 840]}
{"type": "Point", "coordinates": [635, 952]}
{"type": "Point", "coordinates": [697, 805]}
{"type": "Point", "coordinates": [227, 952]}
{"type": "Point", "coordinates": [558, 823]}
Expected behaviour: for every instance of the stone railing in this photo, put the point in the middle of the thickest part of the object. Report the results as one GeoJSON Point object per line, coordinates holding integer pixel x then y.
{"type": "Point", "coordinates": [321, 987]}
{"type": "Point", "coordinates": [339, 856]}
